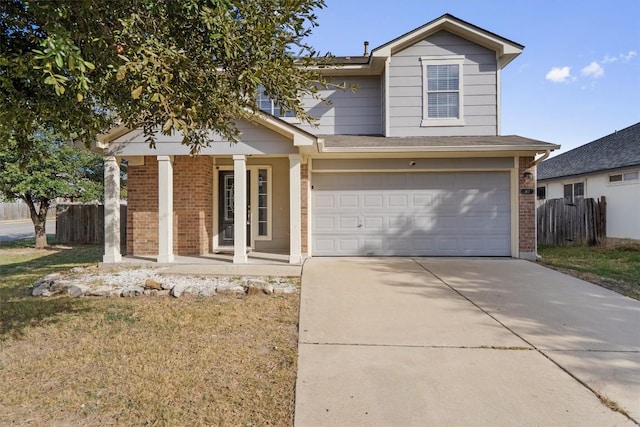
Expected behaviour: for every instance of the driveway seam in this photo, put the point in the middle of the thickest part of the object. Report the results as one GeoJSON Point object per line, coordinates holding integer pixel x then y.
{"type": "Point", "coordinates": [461, 347]}
{"type": "Point", "coordinates": [604, 399]}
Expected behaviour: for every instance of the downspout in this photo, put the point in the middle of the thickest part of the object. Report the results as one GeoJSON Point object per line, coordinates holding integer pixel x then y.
{"type": "Point", "coordinates": [535, 163]}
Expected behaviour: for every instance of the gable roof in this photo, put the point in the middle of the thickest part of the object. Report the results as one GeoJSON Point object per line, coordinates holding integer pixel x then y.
{"type": "Point", "coordinates": [506, 49]}
{"type": "Point", "coordinates": [617, 150]}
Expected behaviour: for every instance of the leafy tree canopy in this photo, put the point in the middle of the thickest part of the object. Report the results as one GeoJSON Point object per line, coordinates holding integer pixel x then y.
{"type": "Point", "coordinates": [178, 65]}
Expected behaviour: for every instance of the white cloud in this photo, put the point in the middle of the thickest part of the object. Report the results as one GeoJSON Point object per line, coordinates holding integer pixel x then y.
{"type": "Point", "coordinates": [593, 70]}
{"type": "Point", "coordinates": [607, 59]}
{"type": "Point", "coordinates": [628, 56]}
{"type": "Point", "coordinates": [559, 75]}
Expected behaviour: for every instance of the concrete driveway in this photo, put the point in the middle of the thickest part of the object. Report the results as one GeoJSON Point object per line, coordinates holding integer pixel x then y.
{"type": "Point", "coordinates": [440, 341]}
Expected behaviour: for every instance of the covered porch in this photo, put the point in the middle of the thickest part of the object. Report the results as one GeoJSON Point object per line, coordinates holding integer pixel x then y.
{"type": "Point", "coordinates": [233, 203]}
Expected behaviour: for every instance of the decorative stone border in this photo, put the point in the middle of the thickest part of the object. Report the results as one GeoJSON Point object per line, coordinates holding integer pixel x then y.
{"type": "Point", "coordinates": [90, 281]}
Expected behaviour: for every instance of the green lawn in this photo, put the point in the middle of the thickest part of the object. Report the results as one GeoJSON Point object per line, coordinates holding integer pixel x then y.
{"type": "Point", "coordinates": [616, 268]}
{"type": "Point", "coordinates": [222, 360]}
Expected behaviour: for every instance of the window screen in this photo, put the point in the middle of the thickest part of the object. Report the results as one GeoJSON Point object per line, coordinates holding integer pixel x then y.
{"type": "Point", "coordinates": [443, 88]}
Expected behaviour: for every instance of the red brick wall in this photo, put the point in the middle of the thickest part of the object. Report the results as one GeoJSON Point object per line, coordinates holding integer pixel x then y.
{"type": "Point", "coordinates": [527, 206]}
{"type": "Point", "coordinates": [304, 205]}
{"type": "Point", "coordinates": [142, 208]}
{"type": "Point", "coordinates": [192, 206]}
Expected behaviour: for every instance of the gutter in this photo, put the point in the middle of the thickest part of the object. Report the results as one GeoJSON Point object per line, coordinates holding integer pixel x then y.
{"type": "Point", "coordinates": [544, 156]}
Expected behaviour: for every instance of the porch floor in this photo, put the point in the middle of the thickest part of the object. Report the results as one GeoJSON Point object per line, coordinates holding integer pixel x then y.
{"type": "Point", "coordinates": [258, 264]}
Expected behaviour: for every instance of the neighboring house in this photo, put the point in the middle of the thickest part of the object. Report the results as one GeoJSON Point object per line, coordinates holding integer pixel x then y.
{"type": "Point", "coordinates": [610, 167]}
{"type": "Point", "coordinates": [412, 163]}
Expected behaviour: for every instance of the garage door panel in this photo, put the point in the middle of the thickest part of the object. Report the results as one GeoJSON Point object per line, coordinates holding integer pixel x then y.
{"type": "Point", "coordinates": [451, 214]}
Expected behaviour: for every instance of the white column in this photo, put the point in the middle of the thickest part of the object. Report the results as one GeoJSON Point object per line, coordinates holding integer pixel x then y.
{"type": "Point", "coordinates": [239, 209]}
{"type": "Point", "coordinates": [295, 210]}
{"type": "Point", "coordinates": [165, 209]}
{"type": "Point", "coordinates": [111, 210]}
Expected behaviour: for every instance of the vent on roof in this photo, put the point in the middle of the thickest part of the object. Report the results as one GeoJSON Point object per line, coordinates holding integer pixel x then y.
{"type": "Point", "coordinates": [366, 48]}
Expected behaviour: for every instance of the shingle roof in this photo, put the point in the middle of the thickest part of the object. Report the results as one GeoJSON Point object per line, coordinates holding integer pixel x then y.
{"type": "Point", "coordinates": [618, 150]}
{"type": "Point", "coordinates": [428, 143]}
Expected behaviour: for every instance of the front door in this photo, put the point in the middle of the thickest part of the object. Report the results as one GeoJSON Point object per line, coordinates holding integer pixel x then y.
{"type": "Point", "coordinates": [226, 211]}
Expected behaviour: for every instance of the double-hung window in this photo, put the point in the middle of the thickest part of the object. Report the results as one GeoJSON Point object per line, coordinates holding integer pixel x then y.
{"type": "Point", "coordinates": [442, 82]}
{"type": "Point", "coordinates": [268, 105]}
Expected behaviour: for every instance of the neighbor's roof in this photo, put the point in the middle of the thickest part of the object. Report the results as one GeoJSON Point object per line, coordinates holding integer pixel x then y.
{"type": "Point", "coordinates": [378, 143]}
{"type": "Point", "coordinates": [618, 150]}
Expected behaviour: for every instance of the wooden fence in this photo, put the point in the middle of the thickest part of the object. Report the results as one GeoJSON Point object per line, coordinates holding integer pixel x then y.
{"type": "Point", "coordinates": [84, 224]}
{"type": "Point", "coordinates": [18, 210]}
{"type": "Point", "coordinates": [562, 223]}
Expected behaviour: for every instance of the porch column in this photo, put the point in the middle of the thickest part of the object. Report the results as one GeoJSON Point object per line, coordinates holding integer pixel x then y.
{"type": "Point", "coordinates": [165, 209]}
{"type": "Point", "coordinates": [239, 209]}
{"type": "Point", "coordinates": [295, 211]}
{"type": "Point", "coordinates": [111, 210]}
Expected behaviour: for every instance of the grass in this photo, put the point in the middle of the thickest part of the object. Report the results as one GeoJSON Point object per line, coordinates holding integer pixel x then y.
{"type": "Point", "coordinates": [616, 268]}
{"type": "Point", "coordinates": [223, 360]}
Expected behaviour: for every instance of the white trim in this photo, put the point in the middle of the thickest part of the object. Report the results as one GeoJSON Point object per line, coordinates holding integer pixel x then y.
{"type": "Point", "coordinates": [309, 207]}
{"type": "Point", "coordinates": [387, 97]}
{"type": "Point", "coordinates": [425, 61]}
{"type": "Point", "coordinates": [112, 237]}
{"type": "Point", "coordinates": [295, 210]}
{"type": "Point", "coordinates": [498, 98]}
{"type": "Point", "coordinates": [240, 209]}
{"type": "Point", "coordinates": [254, 202]}
{"type": "Point", "coordinates": [165, 209]}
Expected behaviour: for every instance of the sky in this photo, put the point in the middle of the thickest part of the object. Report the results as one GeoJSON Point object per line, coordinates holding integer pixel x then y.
{"type": "Point", "coordinates": [577, 80]}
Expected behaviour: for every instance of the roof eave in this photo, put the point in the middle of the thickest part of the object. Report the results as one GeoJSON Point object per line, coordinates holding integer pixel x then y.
{"type": "Point", "coordinates": [440, 149]}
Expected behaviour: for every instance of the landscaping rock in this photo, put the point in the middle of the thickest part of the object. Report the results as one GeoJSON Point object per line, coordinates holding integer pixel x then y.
{"type": "Point", "coordinates": [131, 291]}
{"type": "Point", "coordinates": [77, 270]}
{"type": "Point", "coordinates": [178, 290]}
{"type": "Point", "coordinates": [40, 289]}
{"type": "Point", "coordinates": [207, 291]}
{"type": "Point", "coordinates": [100, 291]}
{"type": "Point", "coordinates": [231, 290]}
{"type": "Point", "coordinates": [285, 290]}
{"type": "Point", "coordinates": [152, 284]}
{"type": "Point", "coordinates": [76, 290]}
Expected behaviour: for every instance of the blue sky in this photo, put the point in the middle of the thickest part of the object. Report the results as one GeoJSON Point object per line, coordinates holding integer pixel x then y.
{"type": "Point", "coordinates": [578, 78]}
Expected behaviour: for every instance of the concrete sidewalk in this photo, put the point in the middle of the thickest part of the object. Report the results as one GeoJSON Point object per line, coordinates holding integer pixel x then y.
{"type": "Point", "coordinates": [397, 341]}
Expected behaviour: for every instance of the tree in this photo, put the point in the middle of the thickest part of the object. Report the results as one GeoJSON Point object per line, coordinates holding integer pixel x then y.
{"type": "Point", "coordinates": [51, 169]}
{"type": "Point", "coordinates": [186, 66]}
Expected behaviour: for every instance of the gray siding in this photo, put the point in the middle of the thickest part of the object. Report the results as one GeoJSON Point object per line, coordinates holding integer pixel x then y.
{"type": "Point", "coordinates": [480, 88]}
{"type": "Point", "coordinates": [349, 112]}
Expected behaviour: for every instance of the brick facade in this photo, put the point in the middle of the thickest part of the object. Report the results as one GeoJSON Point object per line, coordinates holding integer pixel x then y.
{"type": "Point", "coordinates": [192, 202]}
{"type": "Point", "coordinates": [527, 208]}
{"type": "Point", "coordinates": [142, 208]}
{"type": "Point", "coordinates": [192, 205]}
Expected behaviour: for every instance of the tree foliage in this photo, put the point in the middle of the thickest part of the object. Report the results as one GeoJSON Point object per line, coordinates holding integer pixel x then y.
{"type": "Point", "coordinates": [50, 170]}
{"type": "Point", "coordinates": [176, 65]}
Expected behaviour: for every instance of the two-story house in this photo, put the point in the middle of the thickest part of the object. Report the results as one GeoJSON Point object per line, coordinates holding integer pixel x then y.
{"type": "Point", "coordinates": [412, 163]}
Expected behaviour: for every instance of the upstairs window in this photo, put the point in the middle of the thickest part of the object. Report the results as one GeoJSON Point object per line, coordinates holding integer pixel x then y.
{"type": "Point", "coordinates": [442, 103]}
{"type": "Point", "coordinates": [267, 105]}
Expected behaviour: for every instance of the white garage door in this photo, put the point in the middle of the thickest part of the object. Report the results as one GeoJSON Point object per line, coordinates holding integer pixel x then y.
{"type": "Point", "coordinates": [446, 214]}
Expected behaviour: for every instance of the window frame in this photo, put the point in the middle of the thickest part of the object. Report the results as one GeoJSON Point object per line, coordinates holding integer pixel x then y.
{"type": "Point", "coordinates": [624, 177]}
{"type": "Point", "coordinates": [574, 197]}
{"type": "Point", "coordinates": [542, 189]}
{"type": "Point", "coordinates": [442, 60]}
{"type": "Point", "coordinates": [262, 97]}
